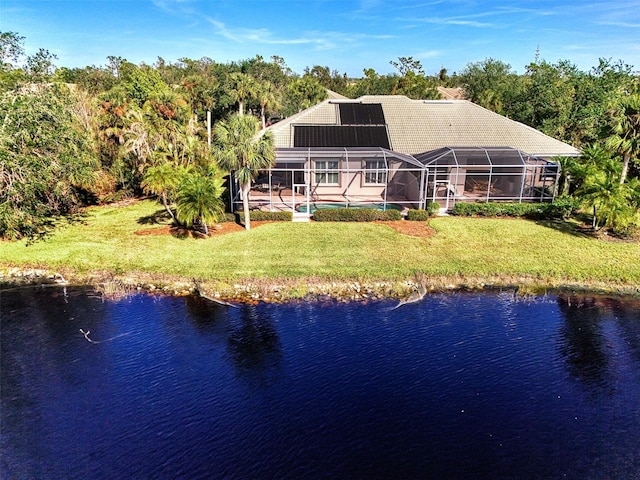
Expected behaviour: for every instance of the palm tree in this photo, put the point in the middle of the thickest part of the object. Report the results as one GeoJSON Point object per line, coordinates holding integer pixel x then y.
{"type": "Point", "coordinates": [162, 180]}
{"type": "Point", "coordinates": [140, 138]}
{"type": "Point", "coordinates": [198, 199]}
{"type": "Point", "coordinates": [610, 200]}
{"type": "Point", "coordinates": [267, 95]}
{"type": "Point", "coordinates": [242, 151]}
{"type": "Point", "coordinates": [243, 86]}
{"type": "Point", "coordinates": [625, 126]}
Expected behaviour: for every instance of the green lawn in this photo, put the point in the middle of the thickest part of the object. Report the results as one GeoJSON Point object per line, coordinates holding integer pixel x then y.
{"type": "Point", "coordinates": [461, 248]}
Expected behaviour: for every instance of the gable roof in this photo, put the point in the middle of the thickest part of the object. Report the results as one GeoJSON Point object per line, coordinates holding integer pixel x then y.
{"type": "Point", "coordinates": [418, 126]}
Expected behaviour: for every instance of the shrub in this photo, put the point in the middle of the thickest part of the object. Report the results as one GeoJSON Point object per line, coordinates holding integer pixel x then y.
{"type": "Point", "coordinates": [345, 215]}
{"type": "Point", "coordinates": [259, 216]}
{"type": "Point", "coordinates": [432, 207]}
{"type": "Point", "coordinates": [629, 232]}
{"type": "Point", "coordinates": [418, 215]}
{"type": "Point", "coordinates": [263, 216]}
{"type": "Point", "coordinates": [562, 208]}
{"type": "Point", "coordinates": [389, 215]}
{"type": "Point", "coordinates": [355, 215]}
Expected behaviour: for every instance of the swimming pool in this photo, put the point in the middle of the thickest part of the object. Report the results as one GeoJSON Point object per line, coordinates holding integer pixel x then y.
{"type": "Point", "coordinates": [313, 206]}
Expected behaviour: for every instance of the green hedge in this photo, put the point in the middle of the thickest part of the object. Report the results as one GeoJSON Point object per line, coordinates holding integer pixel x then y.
{"type": "Point", "coordinates": [260, 216]}
{"type": "Point", "coordinates": [562, 208]}
{"type": "Point", "coordinates": [355, 215]}
{"type": "Point", "coordinates": [418, 215]}
{"type": "Point", "coordinates": [263, 216]}
{"type": "Point", "coordinates": [228, 217]}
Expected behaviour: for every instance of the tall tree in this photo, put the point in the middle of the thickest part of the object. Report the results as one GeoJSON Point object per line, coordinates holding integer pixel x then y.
{"type": "Point", "coordinates": [47, 160]}
{"type": "Point", "coordinates": [304, 93]}
{"type": "Point", "coordinates": [11, 49]}
{"type": "Point", "coordinates": [405, 65]}
{"type": "Point", "coordinates": [548, 94]}
{"type": "Point", "coordinates": [242, 88]}
{"type": "Point", "coordinates": [40, 66]}
{"type": "Point", "coordinates": [242, 152]}
{"type": "Point", "coordinates": [416, 86]}
{"type": "Point", "coordinates": [488, 82]}
{"type": "Point", "coordinates": [372, 84]}
{"type": "Point", "coordinates": [332, 80]}
{"type": "Point", "coordinates": [269, 99]}
{"type": "Point", "coordinates": [625, 131]}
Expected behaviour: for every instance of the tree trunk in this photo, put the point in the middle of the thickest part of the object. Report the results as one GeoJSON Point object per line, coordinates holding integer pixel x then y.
{"type": "Point", "coordinates": [264, 121]}
{"type": "Point", "coordinates": [166, 206]}
{"type": "Point", "coordinates": [245, 204]}
{"type": "Point", "coordinates": [205, 228]}
{"type": "Point", "coordinates": [241, 107]}
{"type": "Point", "coordinates": [625, 168]}
{"type": "Point", "coordinates": [566, 181]}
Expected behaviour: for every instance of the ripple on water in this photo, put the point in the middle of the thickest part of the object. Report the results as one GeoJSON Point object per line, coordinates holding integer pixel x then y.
{"type": "Point", "coordinates": [455, 386]}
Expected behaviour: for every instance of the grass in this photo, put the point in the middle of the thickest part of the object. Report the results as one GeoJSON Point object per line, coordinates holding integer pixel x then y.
{"type": "Point", "coordinates": [461, 251]}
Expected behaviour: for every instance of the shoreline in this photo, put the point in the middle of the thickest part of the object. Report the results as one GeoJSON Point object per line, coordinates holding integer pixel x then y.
{"type": "Point", "coordinates": [270, 290]}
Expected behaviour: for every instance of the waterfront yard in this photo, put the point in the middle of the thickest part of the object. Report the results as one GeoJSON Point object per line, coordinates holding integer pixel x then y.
{"type": "Point", "coordinates": [459, 251]}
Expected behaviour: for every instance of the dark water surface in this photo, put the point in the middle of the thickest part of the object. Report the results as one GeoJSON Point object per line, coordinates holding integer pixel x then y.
{"type": "Point", "coordinates": [457, 386]}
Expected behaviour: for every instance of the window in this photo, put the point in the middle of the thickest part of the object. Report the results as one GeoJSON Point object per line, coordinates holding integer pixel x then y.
{"type": "Point", "coordinates": [327, 172]}
{"type": "Point", "coordinates": [375, 172]}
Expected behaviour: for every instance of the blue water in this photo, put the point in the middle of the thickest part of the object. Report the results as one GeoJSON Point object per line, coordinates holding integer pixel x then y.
{"type": "Point", "coordinates": [324, 205]}
{"type": "Point", "coordinates": [456, 386]}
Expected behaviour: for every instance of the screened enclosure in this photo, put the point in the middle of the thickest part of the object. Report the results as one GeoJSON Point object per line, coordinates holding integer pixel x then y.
{"type": "Point", "coordinates": [353, 176]}
{"type": "Point", "coordinates": [469, 174]}
{"type": "Point", "coordinates": [358, 176]}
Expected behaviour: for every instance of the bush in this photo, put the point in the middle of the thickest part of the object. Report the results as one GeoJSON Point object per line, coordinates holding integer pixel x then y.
{"type": "Point", "coordinates": [629, 232]}
{"type": "Point", "coordinates": [259, 216]}
{"type": "Point", "coordinates": [432, 207]}
{"type": "Point", "coordinates": [355, 215]}
{"type": "Point", "coordinates": [562, 208]}
{"type": "Point", "coordinates": [418, 215]}
{"type": "Point", "coordinates": [389, 215]}
{"type": "Point", "coordinates": [263, 216]}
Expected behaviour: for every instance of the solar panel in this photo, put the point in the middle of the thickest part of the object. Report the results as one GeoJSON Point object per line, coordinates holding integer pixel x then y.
{"type": "Point", "coordinates": [340, 136]}
{"type": "Point", "coordinates": [361, 114]}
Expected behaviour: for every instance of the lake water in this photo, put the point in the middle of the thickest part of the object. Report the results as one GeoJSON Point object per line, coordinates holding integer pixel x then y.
{"type": "Point", "coordinates": [456, 386]}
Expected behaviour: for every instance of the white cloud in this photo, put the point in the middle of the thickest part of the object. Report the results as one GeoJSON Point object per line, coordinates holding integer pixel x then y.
{"type": "Point", "coordinates": [429, 54]}
{"type": "Point", "coordinates": [320, 40]}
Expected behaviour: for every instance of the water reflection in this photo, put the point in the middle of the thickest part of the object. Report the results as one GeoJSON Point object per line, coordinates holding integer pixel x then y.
{"type": "Point", "coordinates": [207, 317]}
{"type": "Point", "coordinates": [588, 346]}
{"type": "Point", "coordinates": [253, 340]}
{"type": "Point", "coordinates": [456, 386]}
{"type": "Point", "coordinates": [248, 332]}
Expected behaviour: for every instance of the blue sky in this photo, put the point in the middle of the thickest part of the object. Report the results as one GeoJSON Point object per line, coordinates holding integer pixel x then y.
{"type": "Point", "coordinates": [346, 35]}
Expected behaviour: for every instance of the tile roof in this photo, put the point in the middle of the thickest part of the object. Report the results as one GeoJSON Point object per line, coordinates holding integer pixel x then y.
{"type": "Point", "coordinates": [452, 93]}
{"type": "Point", "coordinates": [417, 126]}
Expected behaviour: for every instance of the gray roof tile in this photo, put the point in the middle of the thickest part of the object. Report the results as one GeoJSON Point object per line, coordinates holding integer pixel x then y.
{"type": "Point", "coordinates": [417, 126]}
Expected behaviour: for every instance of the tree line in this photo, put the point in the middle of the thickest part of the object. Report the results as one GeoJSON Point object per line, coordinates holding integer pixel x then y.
{"type": "Point", "coordinates": [77, 136]}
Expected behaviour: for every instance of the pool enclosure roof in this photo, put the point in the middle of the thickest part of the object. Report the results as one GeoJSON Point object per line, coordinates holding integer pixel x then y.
{"type": "Point", "coordinates": [478, 157]}
{"type": "Point", "coordinates": [446, 156]}
{"type": "Point", "coordinates": [296, 155]}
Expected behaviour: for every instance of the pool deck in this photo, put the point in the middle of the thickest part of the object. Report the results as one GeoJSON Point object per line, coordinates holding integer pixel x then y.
{"type": "Point", "coordinates": [286, 200]}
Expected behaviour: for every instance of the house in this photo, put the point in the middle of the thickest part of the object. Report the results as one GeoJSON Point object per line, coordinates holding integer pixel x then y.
{"type": "Point", "coordinates": [390, 151]}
